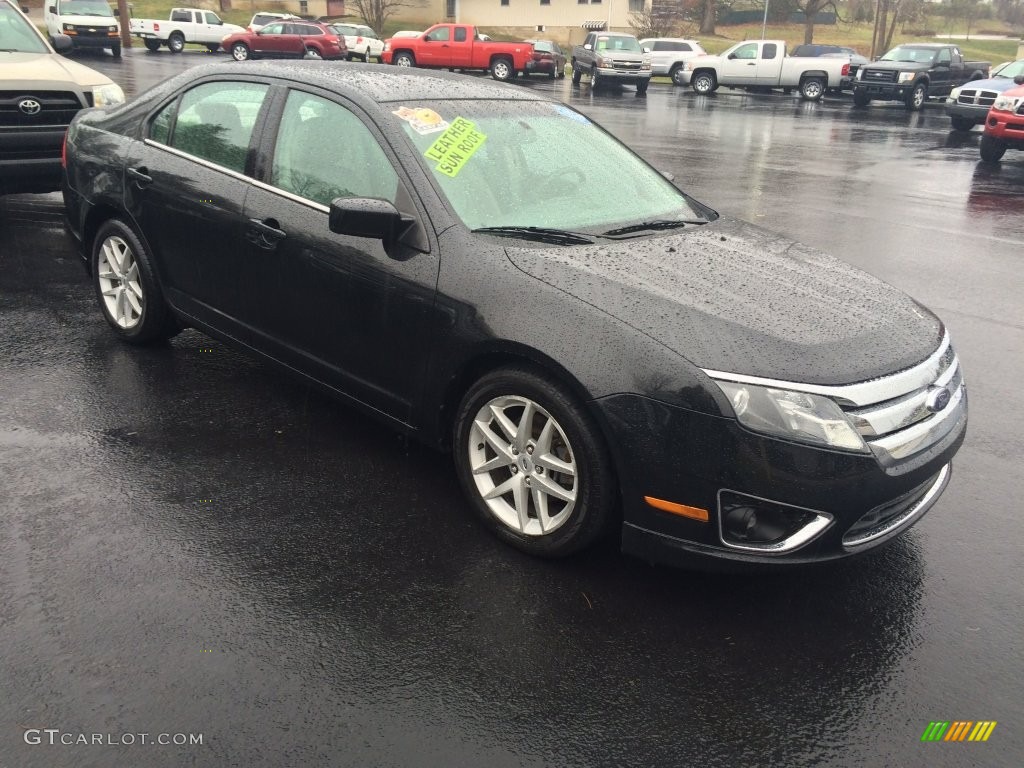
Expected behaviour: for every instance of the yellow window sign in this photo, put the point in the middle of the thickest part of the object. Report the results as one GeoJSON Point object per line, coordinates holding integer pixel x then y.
{"type": "Point", "coordinates": [455, 146]}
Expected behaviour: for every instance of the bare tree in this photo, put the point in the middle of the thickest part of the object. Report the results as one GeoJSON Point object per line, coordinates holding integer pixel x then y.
{"type": "Point", "coordinates": [665, 18]}
{"type": "Point", "coordinates": [376, 12]}
{"type": "Point", "coordinates": [811, 8]}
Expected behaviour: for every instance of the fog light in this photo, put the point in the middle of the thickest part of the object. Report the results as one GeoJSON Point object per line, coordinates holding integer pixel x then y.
{"type": "Point", "coordinates": [751, 523]}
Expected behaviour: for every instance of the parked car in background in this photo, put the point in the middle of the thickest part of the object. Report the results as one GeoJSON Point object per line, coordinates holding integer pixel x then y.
{"type": "Point", "coordinates": [494, 274]}
{"type": "Point", "coordinates": [1004, 126]}
{"type": "Point", "coordinates": [835, 52]}
{"type": "Point", "coordinates": [287, 40]}
{"type": "Point", "coordinates": [89, 24]}
{"type": "Point", "coordinates": [668, 55]}
{"type": "Point", "coordinates": [612, 57]}
{"type": "Point", "coordinates": [914, 72]}
{"type": "Point", "coordinates": [406, 33]}
{"type": "Point", "coordinates": [458, 46]}
{"type": "Point", "coordinates": [968, 105]}
{"type": "Point", "coordinates": [185, 25]}
{"type": "Point", "coordinates": [261, 19]}
{"type": "Point", "coordinates": [40, 92]}
{"type": "Point", "coordinates": [548, 59]}
{"type": "Point", "coordinates": [760, 64]}
{"type": "Point", "coordinates": [361, 41]}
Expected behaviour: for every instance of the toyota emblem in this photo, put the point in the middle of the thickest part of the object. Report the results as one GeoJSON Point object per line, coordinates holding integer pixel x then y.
{"type": "Point", "coordinates": [30, 106]}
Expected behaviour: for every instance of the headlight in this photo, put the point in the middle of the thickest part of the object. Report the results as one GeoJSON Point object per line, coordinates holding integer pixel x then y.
{"type": "Point", "coordinates": [69, 27]}
{"type": "Point", "coordinates": [111, 29]}
{"type": "Point", "coordinates": [645, 65]}
{"type": "Point", "coordinates": [906, 77]}
{"type": "Point", "coordinates": [387, 46]}
{"type": "Point", "coordinates": [107, 95]}
{"type": "Point", "coordinates": [1006, 103]}
{"type": "Point", "coordinates": [955, 94]}
{"type": "Point", "coordinates": [792, 415]}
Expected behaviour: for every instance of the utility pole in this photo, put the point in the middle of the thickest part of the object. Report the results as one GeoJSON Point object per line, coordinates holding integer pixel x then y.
{"type": "Point", "coordinates": [124, 19]}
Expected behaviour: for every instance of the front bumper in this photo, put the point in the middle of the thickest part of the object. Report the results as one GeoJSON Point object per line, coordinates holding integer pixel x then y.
{"type": "Point", "coordinates": [956, 109]}
{"type": "Point", "coordinates": [90, 41]}
{"type": "Point", "coordinates": [30, 159]}
{"type": "Point", "coordinates": [885, 91]}
{"type": "Point", "coordinates": [630, 77]}
{"type": "Point", "coordinates": [698, 460]}
{"type": "Point", "coordinates": [1007, 127]}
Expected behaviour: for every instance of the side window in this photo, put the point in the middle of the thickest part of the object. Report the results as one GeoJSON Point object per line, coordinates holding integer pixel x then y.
{"type": "Point", "coordinates": [944, 57]}
{"type": "Point", "coordinates": [160, 126]}
{"type": "Point", "coordinates": [324, 151]}
{"type": "Point", "coordinates": [215, 122]}
{"type": "Point", "coordinates": [748, 51]}
{"type": "Point", "coordinates": [460, 34]}
{"type": "Point", "coordinates": [439, 35]}
{"type": "Point", "coordinates": [273, 29]}
{"type": "Point", "coordinates": [181, 16]}
{"type": "Point", "coordinates": [211, 18]}
{"type": "Point", "coordinates": [769, 51]}
{"type": "Point", "coordinates": [659, 45]}
{"type": "Point", "coordinates": [684, 47]}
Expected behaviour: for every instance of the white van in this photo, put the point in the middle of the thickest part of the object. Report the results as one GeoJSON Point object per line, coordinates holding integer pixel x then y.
{"type": "Point", "coordinates": [89, 24]}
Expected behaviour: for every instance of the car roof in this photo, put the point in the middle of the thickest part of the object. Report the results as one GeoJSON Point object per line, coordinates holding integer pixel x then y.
{"type": "Point", "coordinates": [673, 39]}
{"type": "Point", "coordinates": [377, 82]}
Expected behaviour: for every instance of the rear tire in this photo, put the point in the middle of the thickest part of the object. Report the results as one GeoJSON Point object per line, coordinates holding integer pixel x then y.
{"type": "Point", "coordinates": [812, 89]}
{"type": "Point", "coordinates": [676, 73]}
{"type": "Point", "coordinates": [152, 45]}
{"type": "Point", "coordinates": [312, 53]}
{"type": "Point", "coordinates": [127, 287]}
{"type": "Point", "coordinates": [519, 430]}
{"type": "Point", "coordinates": [176, 42]}
{"type": "Point", "coordinates": [213, 48]}
{"type": "Point", "coordinates": [502, 70]}
{"type": "Point", "coordinates": [576, 74]}
{"type": "Point", "coordinates": [992, 150]}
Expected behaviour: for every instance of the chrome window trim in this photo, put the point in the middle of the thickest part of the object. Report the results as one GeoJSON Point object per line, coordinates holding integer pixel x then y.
{"type": "Point", "coordinates": [910, 514]}
{"type": "Point", "coordinates": [240, 176]}
{"type": "Point", "coordinates": [805, 535]}
{"type": "Point", "coordinates": [861, 393]}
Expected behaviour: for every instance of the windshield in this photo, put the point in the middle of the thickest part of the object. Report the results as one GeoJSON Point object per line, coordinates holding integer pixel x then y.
{"type": "Point", "coordinates": [909, 53]}
{"type": "Point", "coordinates": [610, 43]}
{"type": "Point", "coordinates": [1012, 69]}
{"type": "Point", "coordinates": [86, 8]}
{"type": "Point", "coordinates": [17, 35]}
{"type": "Point", "coordinates": [536, 164]}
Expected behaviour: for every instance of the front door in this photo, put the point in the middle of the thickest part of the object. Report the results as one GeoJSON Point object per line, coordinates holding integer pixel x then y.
{"type": "Point", "coordinates": [340, 308]}
{"type": "Point", "coordinates": [741, 67]}
{"type": "Point", "coordinates": [435, 51]}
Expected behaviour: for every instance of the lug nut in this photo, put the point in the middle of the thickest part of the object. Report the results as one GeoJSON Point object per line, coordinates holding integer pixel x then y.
{"type": "Point", "coordinates": [540, 470]}
{"type": "Point", "coordinates": [529, 449]}
{"type": "Point", "coordinates": [515, 451]}
{"type": "Point", "coordinates": [515, 469]}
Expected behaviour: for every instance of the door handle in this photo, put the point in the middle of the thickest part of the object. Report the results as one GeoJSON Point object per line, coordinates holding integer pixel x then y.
{"type": "Point", "coordinates": [751, 63]}
{"type": "Point", "coordinates": [264, 234]}
{"type": "Point", "coordinates": [142, 178]}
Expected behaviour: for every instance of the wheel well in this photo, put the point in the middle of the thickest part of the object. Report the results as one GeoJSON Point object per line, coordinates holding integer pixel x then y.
{"type": "Point", "coordinates": [674, 67]}
{"type": "Point", "coordinates": [501, 57]}
{"type": "Point", "coordinates": [921, 80]}
{"type": "Point", "coordinates": [482, 364]}
{"type": "Point", "coordinates": [400, 51]}
{"type": "Point", "coordinates": [823, 76]}
{"type": "Point", "coordinates": [93, 221]}
{"type": "Point", "coordinates": [704, 71]}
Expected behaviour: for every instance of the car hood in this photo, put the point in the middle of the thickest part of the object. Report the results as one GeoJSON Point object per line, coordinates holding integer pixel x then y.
{"type": "Point", "coordinates": [26, 70]}
{"type": "Point", "coordinates": [902, 66]}
{"type": "Point", "coordinates": [998, 84]}
{"type": "Point", "coordinates": [730, 296]}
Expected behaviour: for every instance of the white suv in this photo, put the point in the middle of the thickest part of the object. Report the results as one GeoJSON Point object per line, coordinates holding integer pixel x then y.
{"type": "Point", "coordinates": [361, 41]}
{"type": "Point", "coordinates": [261, 19]}
{"type": "Point", "coordinates": [668, 55]}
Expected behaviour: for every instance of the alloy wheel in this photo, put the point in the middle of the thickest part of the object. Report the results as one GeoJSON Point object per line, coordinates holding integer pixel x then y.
{"type": "Point", "coordinates": [120, 286]}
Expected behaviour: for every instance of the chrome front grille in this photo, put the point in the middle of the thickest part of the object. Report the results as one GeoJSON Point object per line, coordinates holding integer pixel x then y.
{"type": "Point", "coordinates": [628, 65]}
{"type": "Point", "coordinates": [976, 98]}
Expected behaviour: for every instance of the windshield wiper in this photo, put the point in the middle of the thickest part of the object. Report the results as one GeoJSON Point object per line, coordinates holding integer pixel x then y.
{"type": "Point", "coordinates": [651, 225]}
{"type": "Point", "coordinates": [541, 234]}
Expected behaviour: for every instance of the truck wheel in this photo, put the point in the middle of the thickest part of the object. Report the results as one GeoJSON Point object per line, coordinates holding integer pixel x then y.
{"type": "Point", "coordinates": [176, 42]}
{"type": "Point", "coordinates": [405, 59]}
{"type": "Point", "coordinates": [961, 123]}
{"type": "Point", "coordinates": [641, 88]}
{"type": "Point", "coordinates": [992, 150]}
{"type": "Point", "coordinates": [576, 74]}
{"type": "Point", "coordinates": [595, 80]}
{"type": "Point", "coordinates": [704, 83]}
{"type": "Point", "coordinates": [115, 50]}
{"type": "Point", "coordinates": [152, 45]}
{"type": "Point", "coordinates": [213, 47]}
{"type": "Point", "coordinates": [502, 70]}
{"type": "Point", "coordinates": [917, 97]}
{"type": "Point", "coordinates": [676, 73]}
{"type": "Point", "coordinates": [240, 52]}
{"type": "Point", "coordinates": [812, 89]}
{"type": "Point", "coordinates": [861, 99]}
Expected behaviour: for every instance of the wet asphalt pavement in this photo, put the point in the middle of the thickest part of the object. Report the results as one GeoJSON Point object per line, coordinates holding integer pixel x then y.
{"type": "Point", "coordinates": [192, 542]}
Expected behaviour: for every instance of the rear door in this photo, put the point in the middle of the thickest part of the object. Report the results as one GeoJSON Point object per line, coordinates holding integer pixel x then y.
{"type": "Point", "coordinates": [769, 65]}
{"type": "Point", "coordinates": [462, 48]}
{"type": "Point", "coordinates": [942, 72]}
{"type": "Point", "coordinates": [342, 309]}
{"type": "Point", "coordinates": [186, 187]}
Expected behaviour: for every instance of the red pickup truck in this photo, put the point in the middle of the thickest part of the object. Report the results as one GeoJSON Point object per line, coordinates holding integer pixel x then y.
{"type": "Point", "coordinates": [1004, 126]}
{"type": "Point", "coordinates": [458, 46]}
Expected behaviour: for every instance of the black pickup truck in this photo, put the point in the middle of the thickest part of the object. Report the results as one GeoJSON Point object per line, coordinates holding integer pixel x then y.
{"type": "Point", "coordinates": [911, 73]}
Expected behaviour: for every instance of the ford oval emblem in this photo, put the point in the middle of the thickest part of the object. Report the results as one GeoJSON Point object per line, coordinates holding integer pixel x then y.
{"type": "Point", "coordinates": [938, 398]}
{"type": "Point", "coordinates": [30, 106]}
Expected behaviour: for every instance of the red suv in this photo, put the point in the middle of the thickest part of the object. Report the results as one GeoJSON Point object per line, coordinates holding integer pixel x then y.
{"type": "Point", "coordinates": [287, 39]}
{"type": "Point", "coordinates": [1004, 126]}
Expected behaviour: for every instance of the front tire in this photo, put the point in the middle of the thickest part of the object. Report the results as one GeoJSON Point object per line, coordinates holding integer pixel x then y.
{"type": "Point", "coordinates": [677, 75]}
{"type": "Point", "coordinates": [917, 97]}
{"type": "Point", "coordinates": [812, 89]}
{"type": "Point", "coordinates": [533, 463]}
{"type": "Point", "coordinates": [240, 52]}
{"type": "Point", "coordinates": [127, 287]}
{"type": "Point", "coordinates": [641, 88]}
{"type": "Point", "coordinates": [992, 149]}
{"type": "Point", "coordinates": [405, 60]}
{"type": "Point", "coordinates": [502, 70]}
{"type": "Point", "coordinates": [704, 83]}
{"type": "Point", "coordinates": [213, 47]}
{"type": "Point", "coordinates": [152, 45]}
{"type": "Point", "coordinates": [961, 123]}
{"type": "Point", "coordinates": [576, 74]}
{"type": "Point", "coordinates": [861, 99]}
{"type": "Point", "coordinates": [115, 51]}
{"type": "Point", "coordinates": [176, 42]}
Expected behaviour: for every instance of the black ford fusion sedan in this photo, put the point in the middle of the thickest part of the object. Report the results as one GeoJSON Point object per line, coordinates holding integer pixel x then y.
{"type": "Point", "coordinates": [491, 272]}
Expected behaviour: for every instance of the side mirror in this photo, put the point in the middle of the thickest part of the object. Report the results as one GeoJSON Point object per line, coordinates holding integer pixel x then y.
{"type": "Point", "coordinates": [588, 47]}
{"type": "Point", "coordinates": [731, 56]}
{"type": "Point", "coordinates": [52, 9]}
{"type": "Point", "coordinates": [62, 43]}
{"type": "Point", "coordinates": [1019, 79]}
{"type": "Point", "coordinates": [367, 217]}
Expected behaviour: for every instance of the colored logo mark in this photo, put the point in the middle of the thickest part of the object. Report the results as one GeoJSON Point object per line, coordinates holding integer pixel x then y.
{"type": "Point", "coordinates": [958, 730]}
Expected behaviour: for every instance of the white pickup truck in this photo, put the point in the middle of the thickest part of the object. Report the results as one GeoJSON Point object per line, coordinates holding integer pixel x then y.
{"type": "Point", "coordinates": [185, 25]}
{"type": "Point", "coordinates": [764, 64]}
